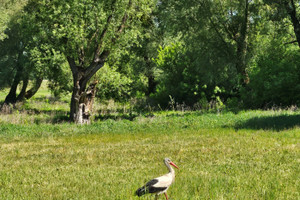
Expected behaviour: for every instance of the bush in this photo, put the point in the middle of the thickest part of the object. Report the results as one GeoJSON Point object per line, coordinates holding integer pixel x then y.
{"type": "Point", "coordinates": [113, 84]}
{"type": "Point", "coordinates": [189, 76]}
{"type": "Point", "coordinates": [275, 80]}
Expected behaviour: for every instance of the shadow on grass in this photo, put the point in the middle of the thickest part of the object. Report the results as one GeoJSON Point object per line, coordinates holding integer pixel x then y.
{"type": "Point", "coordinates": [35, 111]}
{"type": "Point", "coordinates": [277, 123]}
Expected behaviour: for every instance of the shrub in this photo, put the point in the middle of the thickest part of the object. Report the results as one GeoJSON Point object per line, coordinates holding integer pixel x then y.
{"type": "Point", "coordinates": [275, 80]}
{"type": "Point", "coordinates": [189, 76]}
{"type": "Point", "coordinates": [113, 84]}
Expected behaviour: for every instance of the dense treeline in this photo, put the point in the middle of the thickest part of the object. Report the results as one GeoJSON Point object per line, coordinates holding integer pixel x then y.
{"type": "Point", "coordinates": [197, 53]}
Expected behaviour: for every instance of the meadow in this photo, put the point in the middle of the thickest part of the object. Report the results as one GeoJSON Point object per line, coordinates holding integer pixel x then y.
{"type": "Point", "coordinates": [242, 155]}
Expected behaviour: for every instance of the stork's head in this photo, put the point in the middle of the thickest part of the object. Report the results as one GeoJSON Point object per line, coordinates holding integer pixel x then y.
{"type": "Point", "coordinates": [167, 160]}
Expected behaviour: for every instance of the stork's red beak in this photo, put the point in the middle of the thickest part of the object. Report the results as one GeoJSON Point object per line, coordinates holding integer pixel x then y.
{"type": "Point", "coordinates": [174, 165]}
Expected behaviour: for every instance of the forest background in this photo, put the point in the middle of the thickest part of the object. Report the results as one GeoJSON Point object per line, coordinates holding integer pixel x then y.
{"type": "Point", "coordinates": [235, 54]}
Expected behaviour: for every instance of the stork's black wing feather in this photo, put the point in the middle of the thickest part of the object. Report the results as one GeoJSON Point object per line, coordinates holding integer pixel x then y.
{"type": "Point", "coordinates": [152, 182]}
{"type": "Point", "coordinates": [149, 188]}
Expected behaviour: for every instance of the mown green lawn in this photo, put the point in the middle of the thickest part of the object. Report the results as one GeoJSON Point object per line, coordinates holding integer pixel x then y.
{"type": "Point", "coordinates": [249, 155]}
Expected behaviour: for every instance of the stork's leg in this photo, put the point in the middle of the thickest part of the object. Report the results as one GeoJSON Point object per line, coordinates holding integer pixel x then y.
{"type": "Point", "coordinates": [166, 196]}
{"type": "Point", "coordinates": [156, 197]}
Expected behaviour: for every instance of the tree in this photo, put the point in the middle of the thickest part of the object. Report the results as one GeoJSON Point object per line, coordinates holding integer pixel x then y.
{"type": "Point", "coordinates": [275, 69]}
{"type": "Point", "coordinates": [140, 66]}
{"type": "Point", "coordinates": [8, 9]}
{"type": "Point", "coordinates": [228, 25]}
{"type": "Point", "coordinates": [276, 77]}
{"type": "Point", "coordinates": [232, 25]}
{"type": "Point", "coordinates": [287, 8]}
{"type": "Point", "coordinates": [88, 33]}
{"type": "Point", "coordinates": [218, 39]}
{"type": "Point", "coordinates": [16, 67]}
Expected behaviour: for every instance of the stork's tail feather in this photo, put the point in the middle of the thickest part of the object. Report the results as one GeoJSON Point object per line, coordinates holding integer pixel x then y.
{"type": "Point", "coordinates": [141, 191]}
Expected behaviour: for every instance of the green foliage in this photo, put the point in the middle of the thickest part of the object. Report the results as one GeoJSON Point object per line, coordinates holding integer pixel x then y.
{"type": "Point", "coordinates": [275, 79]}
{"type": "Point", "coordinates": [187, 80]}
{"type": "Point", "coordinates": [16, 58]}
{"type": "Point", "coordinates": [13, 55]}
{"type": "Point", "coordinates": [8, 10]}
{"type": "Point", "coordinates": [139, 64]}
{"type": "Point", "coordinates": [210, 32]}
{"type": "Point", "coordinates": [112, 84]}
{"type": "Point", "coordinates": [54, 67]}
{"type": "Point", "coordinates": [175, 79]}
{"type": "Point", "coordinates": [76, 26]}
{"type": "Point", "coordinates": [86, 35]}
{"type": "Point", "coordinates": [200, 42]}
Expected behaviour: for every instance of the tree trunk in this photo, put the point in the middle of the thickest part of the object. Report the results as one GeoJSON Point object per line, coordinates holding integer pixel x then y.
{"type": "Point", "coordinates": [77, 109]}
{"type": "Point", "coordinates": [82, 96]}
{"type": "Point", "coordinates": [21, 96]}
{"type": "Point", "coordinates": [242, 40]}
{"type": "Point", "coordinates": [32, 91]}
{"type": "Point", "coordinates": [150, 76]}
{"type": "Point", "coordinates": [291, 10]}
{"type": "Point", "coordinates": [82, 104]}
{"type": "Point", "coordinates": [11, 98]}
{"type": "Point", "coordinates": [151, 84]}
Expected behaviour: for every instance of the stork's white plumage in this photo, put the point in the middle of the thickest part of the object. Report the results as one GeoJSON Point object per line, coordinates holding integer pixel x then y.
{"type": "Point", "coordinates": [160, 184]}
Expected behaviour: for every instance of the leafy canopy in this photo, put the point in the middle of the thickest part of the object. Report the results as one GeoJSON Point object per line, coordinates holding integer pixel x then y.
{"type": "Point", "coordinates": [80, 29]}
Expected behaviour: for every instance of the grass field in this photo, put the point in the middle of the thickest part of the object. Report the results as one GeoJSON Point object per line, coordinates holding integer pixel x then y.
{"type": "Point", "coordinates": [248, 155]}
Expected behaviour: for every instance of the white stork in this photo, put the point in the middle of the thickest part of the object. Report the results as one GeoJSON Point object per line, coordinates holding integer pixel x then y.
{"type": "Point", "coordinates": [160, 184]}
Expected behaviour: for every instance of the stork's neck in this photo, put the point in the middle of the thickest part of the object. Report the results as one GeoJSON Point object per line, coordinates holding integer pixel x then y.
{"type": "Point", "coordinates": [171, 170]}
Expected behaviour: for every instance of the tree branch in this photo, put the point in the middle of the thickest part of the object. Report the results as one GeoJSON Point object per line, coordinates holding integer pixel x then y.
{"type": "Point", "coordinates": [217, 31]}
{"type": "Point", "coordinates": [95, 35]}
{"type": "Point", "coordinates": [94, 66]}
{"type": "Point", "coordinates": [99, 58]}
{"type": "Point", "coordinates": [99, 46]}
{"type": "Point", "coordinates": [290, 42]}
{"type": "Point", "coordinates": [230, 31]}
{"type": "Point", "coordinates": [293, 14]}
{"type": "Point", "coordinates": [92, 71]}
{"type": "Point", "coordinates": [81, 56]}
{"type": "Point", "coordinates": [72, 64]}
{"type": "Point", "coordinates": [122, 25]}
